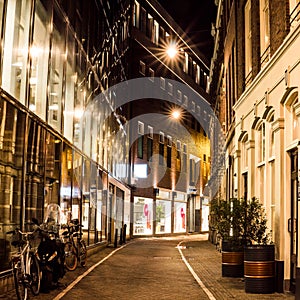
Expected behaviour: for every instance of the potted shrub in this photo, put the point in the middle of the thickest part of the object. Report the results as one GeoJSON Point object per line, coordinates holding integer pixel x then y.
{"type": "Point", "coordinates": [229, 221]}
{"type": "Point", "coordinates": [259, 252]}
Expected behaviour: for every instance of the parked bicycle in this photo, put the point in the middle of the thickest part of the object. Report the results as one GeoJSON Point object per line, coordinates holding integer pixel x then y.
{"type": "Point", "coordinates": [75, 246]}
{"type": "Point", "coordinates": [25, 267]}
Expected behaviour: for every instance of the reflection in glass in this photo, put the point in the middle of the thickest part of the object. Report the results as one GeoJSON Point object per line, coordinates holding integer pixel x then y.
{"type": "Point", "coordinates": [39, 53]}
{"type": "Point", "coordinates": [12, 126]}
{"type": "Point", "coordinates": [16, 47]}
{"type": "Point", "coordinates": [76, 189]}
{"type": "Point", "coordinates": [56, 71]}
{"type": "Point", "coordinates": [52, 169]}
{"type": "Point", "coordinates": [66, 183]}
{"type": "Point", "coordinates": [71, 79]}
{"type": "Point", "coordinates": [35, 171]}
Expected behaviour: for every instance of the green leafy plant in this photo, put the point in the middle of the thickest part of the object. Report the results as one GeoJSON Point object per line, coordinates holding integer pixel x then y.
{"type": "Point", "coordinates": [240, 221]}
{"type": "Point", "coordinates": [228, 216]}
{"type": "Point", "coordinates": [254, 229]}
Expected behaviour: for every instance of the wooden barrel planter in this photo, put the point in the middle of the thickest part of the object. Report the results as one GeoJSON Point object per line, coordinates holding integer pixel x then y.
{"type": "Point", "coordinates": [259, 269]}
{"type": "Point", "coordinates": [232, 261]}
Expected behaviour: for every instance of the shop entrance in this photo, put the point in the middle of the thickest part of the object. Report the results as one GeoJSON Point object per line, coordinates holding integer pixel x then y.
{"type": "Point", "coordinates": [292, 223]}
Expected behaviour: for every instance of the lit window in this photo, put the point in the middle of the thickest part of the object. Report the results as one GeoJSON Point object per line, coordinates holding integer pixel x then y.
{"type": "Point", "coordinates": [140, 127]}
{"type": "Point", "coordinates": [162, 83]}
{"type": "Point", "coordinates": [248, 42]}
{"type": "Point", "coordinates": [264, 31]}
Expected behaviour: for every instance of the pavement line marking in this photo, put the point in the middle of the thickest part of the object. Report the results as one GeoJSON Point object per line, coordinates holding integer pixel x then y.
{"type": "Point", "coordinates": [199, 281]}
{"type": "Point", "coordinates": [80, 277]}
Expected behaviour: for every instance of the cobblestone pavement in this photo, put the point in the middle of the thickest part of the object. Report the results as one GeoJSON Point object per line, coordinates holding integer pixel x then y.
{"type": "Point", "coordinates": [152, 268]}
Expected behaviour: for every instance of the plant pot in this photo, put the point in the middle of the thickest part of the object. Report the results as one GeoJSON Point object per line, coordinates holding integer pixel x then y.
{"type": "Point", "coordinates": [259, 269]}
{"type": "Point", "coordinates": [232, 260]}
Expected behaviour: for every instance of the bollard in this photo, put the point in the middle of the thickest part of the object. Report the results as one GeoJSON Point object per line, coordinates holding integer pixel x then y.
{"type": "Point", "coordinates": [116, 238]}
{"type": "Point", "coordinates": [279, 276]}
{"type": "Point", "coordinates": [124, 233]}
{"type": "Point", "coordinates": [121, 236]}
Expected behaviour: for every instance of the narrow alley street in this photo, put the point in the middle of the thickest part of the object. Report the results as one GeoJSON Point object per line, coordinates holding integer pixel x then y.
{"type": "Point", "coordinates": [153, 268]}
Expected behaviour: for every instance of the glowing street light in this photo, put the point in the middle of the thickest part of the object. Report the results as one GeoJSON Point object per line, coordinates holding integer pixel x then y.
{"type": "Point", "coordinates": [172, 50]}
{"type": "Point", "coordinates": [176, 114]}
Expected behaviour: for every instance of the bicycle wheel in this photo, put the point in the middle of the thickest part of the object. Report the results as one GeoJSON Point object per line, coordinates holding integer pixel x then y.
{"type": "Point", "coordinates": [82, 253]}
{"type": "Point", "coordinates": [35, 275]}
{"type": "Point", "coordinates": [20, 286]}
{"type": "Point", "coordinates": [70, 256]}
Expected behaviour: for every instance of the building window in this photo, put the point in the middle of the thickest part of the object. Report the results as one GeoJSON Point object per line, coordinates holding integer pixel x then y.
{"type": "Point", "coordinates": [193, 106]}
{"type": "Point", "coordinates": [264, 31]}
{"type": "Point", "coordinates": [149, 148]}
{"type": "Point", "coordinates": [161, 148]}
{"type": "Point", "coordinates": [140, 141]}
{"type": "Point", "coordinates": [184, 158]}
{"type": "Point", "coordinates": [16, 47]}
{"type": "Point", "coordinates": [136, 12]}
{"type": "Point", "coordinates": [56, 71]}
{"type": "Point", "coordinates": [156, 33]}
{"type": "Point", "coordinates": [185, 100]}
{"type": "Point", "coordinates": [295, 13]}
{"type": "Point", "coordinates": [150, 143]}
{"type": "Point", "coordinates": [244, 153]}
{"type": "Point", "coordinates": [262, 143]}
{"type": "Point", "coordinates": [248, 43]}
{"type": "Point", "coordinates": [151, 74]}
{"type": "Point", "coordinates": [143, 19]}
{"type": "Point", "coordinates": [169, 151]}
{"type": "Point", "coordinates": [142, 68]}
{"type": "Point", "coordinates": [198, 75]}
{"type": "Point", "coordinates": [186, 63]}
{"type": "Point", "coordinates": [149, 32]}
{"type": "Point", "coordinates": [170, 88]}
{"type": "Point", "coordinates": [161, 137]}
{"type": "Point", "coordinates": [194, 165]}
{"type": "Point", "coordinates": [179, 96]}
{"type": "Point", "coordinates": [140, 128]}
{"type": "Point", "coordinates": [162, 83]}
{"type": "Point", "coordinates": [178, 155]}
{"type": "Point", "coordinates": [39, 61]}
{"type": "Point", "coordinates": [150, 132]}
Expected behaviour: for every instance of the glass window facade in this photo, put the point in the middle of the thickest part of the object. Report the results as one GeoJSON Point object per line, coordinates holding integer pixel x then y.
{"type": "Point", "coordinates": [15, 52]}
{"type": "Point", "coordinates": [163, 216]}
{"type": "Point", "coordinates": [54, 147]}
{"type": "Point", "coordinates": [143, 216]}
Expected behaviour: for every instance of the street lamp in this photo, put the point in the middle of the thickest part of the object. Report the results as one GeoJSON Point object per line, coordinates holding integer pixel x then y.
{"type": "Point", "coordinates": [171, 50]}
{"type": "Point", "coordinates": [176, 114]}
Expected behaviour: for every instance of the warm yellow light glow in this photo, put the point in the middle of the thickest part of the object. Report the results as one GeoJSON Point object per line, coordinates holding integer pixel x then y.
{"type": "Point", "coordinates": [176, 114]}
{"type": "Point", "coordinates": [172, 50]}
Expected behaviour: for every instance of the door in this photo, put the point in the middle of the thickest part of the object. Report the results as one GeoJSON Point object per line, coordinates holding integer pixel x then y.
{"type": "Point", "coordinates": [293, 219]}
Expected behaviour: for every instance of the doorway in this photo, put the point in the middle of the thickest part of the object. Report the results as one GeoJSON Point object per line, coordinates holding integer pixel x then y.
{"type": "Point", "coordinates": [292, 222]}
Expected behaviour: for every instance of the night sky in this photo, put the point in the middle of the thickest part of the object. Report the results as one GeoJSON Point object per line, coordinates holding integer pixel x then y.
{"type": "Point", "coordinates": [195, 18]}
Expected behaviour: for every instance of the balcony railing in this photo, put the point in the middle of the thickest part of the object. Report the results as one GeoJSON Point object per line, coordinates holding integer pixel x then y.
{"type": "Point", "coordinates": [295, 15]}
{"type": "Point", "coordinates": [248, 78]}
{"type": "Point", "coordinates": [265, 57]}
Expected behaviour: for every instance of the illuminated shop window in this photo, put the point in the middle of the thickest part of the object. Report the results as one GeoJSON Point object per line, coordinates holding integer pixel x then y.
{"type": "Point", "coordinates": [142, 216]}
